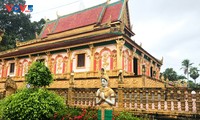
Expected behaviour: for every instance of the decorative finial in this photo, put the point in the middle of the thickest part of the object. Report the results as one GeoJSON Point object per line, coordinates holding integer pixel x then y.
{"type": "Point", "coordinates": [46, 19]}
{"type": "Point", "coordinates": [108, 2]}
{"type": "Point", "coordinates": [161, 60]}
{"type": "Point", "coordinates": [36, 35]}
{"type": "Point", "coordinates": [131, 26]}
{"type": "Point", "coordinates": [57, 14]}
{"type": "Point", "coordinates": [140, 44]}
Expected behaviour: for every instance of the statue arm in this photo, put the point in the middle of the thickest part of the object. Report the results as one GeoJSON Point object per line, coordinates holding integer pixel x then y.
{"type": "Point", "coordinates": [111, 101]}
{"type": "Point", "coordinates": [98, 99]}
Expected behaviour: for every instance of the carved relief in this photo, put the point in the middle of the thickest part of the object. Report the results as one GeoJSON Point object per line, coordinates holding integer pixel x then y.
{"type": "Point", "coordinates": [114, 56]}
{"type": "Point", "coordinates": [105, 60]}
{"type": "Point", "coordinates": [105, 54]}
{"type": "Point", "coordinates": [96, 63]}
{"type": "Point", "coordinates": [65, 60]}
{"type": "Point", "coordinates": [126, 60]}
{"type": "Point", "coordinates": [59, 64]}
{"type": "Point", "coordinates": [25, 68]}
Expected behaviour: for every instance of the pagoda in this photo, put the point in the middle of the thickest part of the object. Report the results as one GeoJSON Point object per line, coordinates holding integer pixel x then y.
{"type": "Point", "coordinates": [76, 46]}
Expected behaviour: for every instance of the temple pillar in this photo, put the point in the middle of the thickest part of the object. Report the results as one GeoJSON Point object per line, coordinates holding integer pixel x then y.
{"type": "Point", "coordinates": [17, 67]}
{"type": "Point", "coordinates": [49, 64]}
{"type": "Point", "coordinates": [92, 50]}
{"type": "Point", "coordinates": [2, 69]}
{"type": "Point", "coordinates": [120, 90]}
{"type": "Point", "coordinates": [70, 90]}
{"type": "Point", "coordinates": [120, 44]}
{"type": "Point", "coordinates": [69, 54]}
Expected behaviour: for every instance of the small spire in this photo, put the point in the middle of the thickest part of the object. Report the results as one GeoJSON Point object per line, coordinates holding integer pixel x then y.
{"type": "Point", "coordinates": [140, 44]}
{"type": "Point", "coordinates": [36, 35]}
{"type": "Point", "coordinates": [57, 14]}
{"type": "Point", "coordinates": [108, 2]}
{"type": "Point", "coordinates": [161, 60]}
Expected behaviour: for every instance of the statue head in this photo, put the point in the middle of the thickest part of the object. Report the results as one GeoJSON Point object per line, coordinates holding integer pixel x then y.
{"type": "Point", "coordinates": [104, 78]}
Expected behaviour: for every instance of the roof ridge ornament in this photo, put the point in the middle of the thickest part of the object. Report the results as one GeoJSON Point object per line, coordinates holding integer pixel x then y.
{"type": "Point", "coordinates": [108, 2]}
{"type": "Point", "coordinates": [57, 14]}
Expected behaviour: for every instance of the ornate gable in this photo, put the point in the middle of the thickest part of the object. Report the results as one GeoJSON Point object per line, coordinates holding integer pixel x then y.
{"type": "Point", "coordinates": [124, 17]}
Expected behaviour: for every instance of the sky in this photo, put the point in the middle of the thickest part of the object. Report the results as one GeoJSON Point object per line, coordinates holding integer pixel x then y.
{"type": "Point", "coordinates": [166, 28]}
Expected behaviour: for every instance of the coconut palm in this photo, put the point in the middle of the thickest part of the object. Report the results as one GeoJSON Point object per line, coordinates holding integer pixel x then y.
{"type": "Point", "coordinates": [186, 65]}
{"type": "Point", "coordinates": [194, 73]}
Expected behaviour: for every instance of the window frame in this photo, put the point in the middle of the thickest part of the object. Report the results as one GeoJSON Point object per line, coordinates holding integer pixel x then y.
{"type": "Point", "coordinates": [12, 68]}
{"type": "Point", "coordinates": [77, 60]}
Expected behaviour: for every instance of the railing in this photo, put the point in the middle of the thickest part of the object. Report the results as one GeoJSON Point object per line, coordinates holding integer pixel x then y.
{"type": "Point", "coordinates": [173, 101]}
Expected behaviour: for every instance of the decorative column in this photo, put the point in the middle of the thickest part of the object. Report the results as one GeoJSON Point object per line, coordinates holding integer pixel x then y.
{"type": "Point", "coordinates": [3, 67]}
{"type": "Point", "coordinates": [70, 90]}
{"type": "Point", "coordinates": [179, 100]}
{"type": "Point", "coordinates": [120, 90]}
{"type": "Point", "coordinates": [182, 100]}
{"type": "Point", "coordinates": [69, 54]}
{"type": "Point", "coordinates": [156, 99]}
{"type": "Point", "coordinates": [198, 101]}
{"type": "Point", "coordinates": [17, 66]}
{"type": "Point", "coordinates": [175, 100]}
{"type": "Point", "coordinates": [143, 75]}
{"type": "Point", "coordinates": [49, 64]}
{"type": "Point", "coordinates": [120, 44]}
{"type": "Point", "coordinates": [92, 50]}
{"type": "Point", "coordinates": [190, 101]}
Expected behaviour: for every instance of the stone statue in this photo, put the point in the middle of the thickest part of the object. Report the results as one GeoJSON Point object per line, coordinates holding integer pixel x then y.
{"type": "Point", "coordinates": [105, 96]}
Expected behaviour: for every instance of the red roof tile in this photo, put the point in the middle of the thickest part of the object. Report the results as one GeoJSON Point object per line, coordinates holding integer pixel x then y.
{"type": "Point", "coordinates": [48, 29]}
{"type": "Point", "coordinates": [84, 18]}
{"type": "Point", "coordinates": [113, 12]}
{"type": "Point", "coordinates": [78, 20]}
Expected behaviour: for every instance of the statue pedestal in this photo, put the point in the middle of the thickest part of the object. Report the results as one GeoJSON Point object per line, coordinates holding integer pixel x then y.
{"type": "Point", "coordinates": [105, 112]}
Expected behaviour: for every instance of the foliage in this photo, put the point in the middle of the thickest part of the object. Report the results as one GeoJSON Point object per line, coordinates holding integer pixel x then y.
{"type": "Point", "coordinates": [91, 114]}
{"type": "Point", "coordinates": [74, 113]}
{"type": "Point", "coordinates": [194, 73]}
{"type": "Point", "coordinates": [1, 108]}
{"type": "Point", "coordinates": [39, 75]}
{"type": "Point", "coordinates": [33, 104]}
{"type": "Point", "coordinates": [126, 116]}
{"type": "Point", "coordinates": [16, 25]}
{"type": "Point", "coordinates": [186, 67]}
{"type": "Point", "coordinates": [170, 74]}
{"type": "Point", "coordinates": [193, 85]}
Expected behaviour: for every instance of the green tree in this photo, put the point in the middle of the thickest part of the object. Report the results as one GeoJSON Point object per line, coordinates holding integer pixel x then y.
{"type": "Point", "coordinates": [17, 26]}
{"type": "Point", "coordinates": [170, 74]}
{"type": "Point", "coordinates": [39, 75]}
{"type": "Point", "coordinates": [33, 104]}
{"type": "Point", "coordinates": [194, 73]}
{"type": "Point", "coordinates": [186, 67]}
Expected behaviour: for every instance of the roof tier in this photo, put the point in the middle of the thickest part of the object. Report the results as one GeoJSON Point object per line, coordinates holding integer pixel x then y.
{"type": "Point", "coordinates": [95, 15]}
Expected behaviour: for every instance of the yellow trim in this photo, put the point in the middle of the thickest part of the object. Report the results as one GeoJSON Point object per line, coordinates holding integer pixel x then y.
{"type": "Point", "coordinates": [100, 40]}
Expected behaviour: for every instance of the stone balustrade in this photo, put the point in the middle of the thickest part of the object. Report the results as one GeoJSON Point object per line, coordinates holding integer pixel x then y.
{"type": "Point", "coordinates": [173, 101]}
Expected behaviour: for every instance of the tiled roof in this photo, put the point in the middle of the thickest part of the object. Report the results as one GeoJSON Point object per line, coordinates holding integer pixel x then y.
{"type": "Point", "coordinates": [48, 29]}
{"type": "Point", "coordinates": [86, 17]}
{"type": "Point", "coordinates": [77, 20]}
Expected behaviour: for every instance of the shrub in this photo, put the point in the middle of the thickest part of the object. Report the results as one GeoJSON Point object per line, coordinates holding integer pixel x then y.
{"type": "Point", "coordinates": [39, 75]}
{"type": "Point", "coordinates": [126, 116]}
{"type": "Point", "coordinates": [33, 104]}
